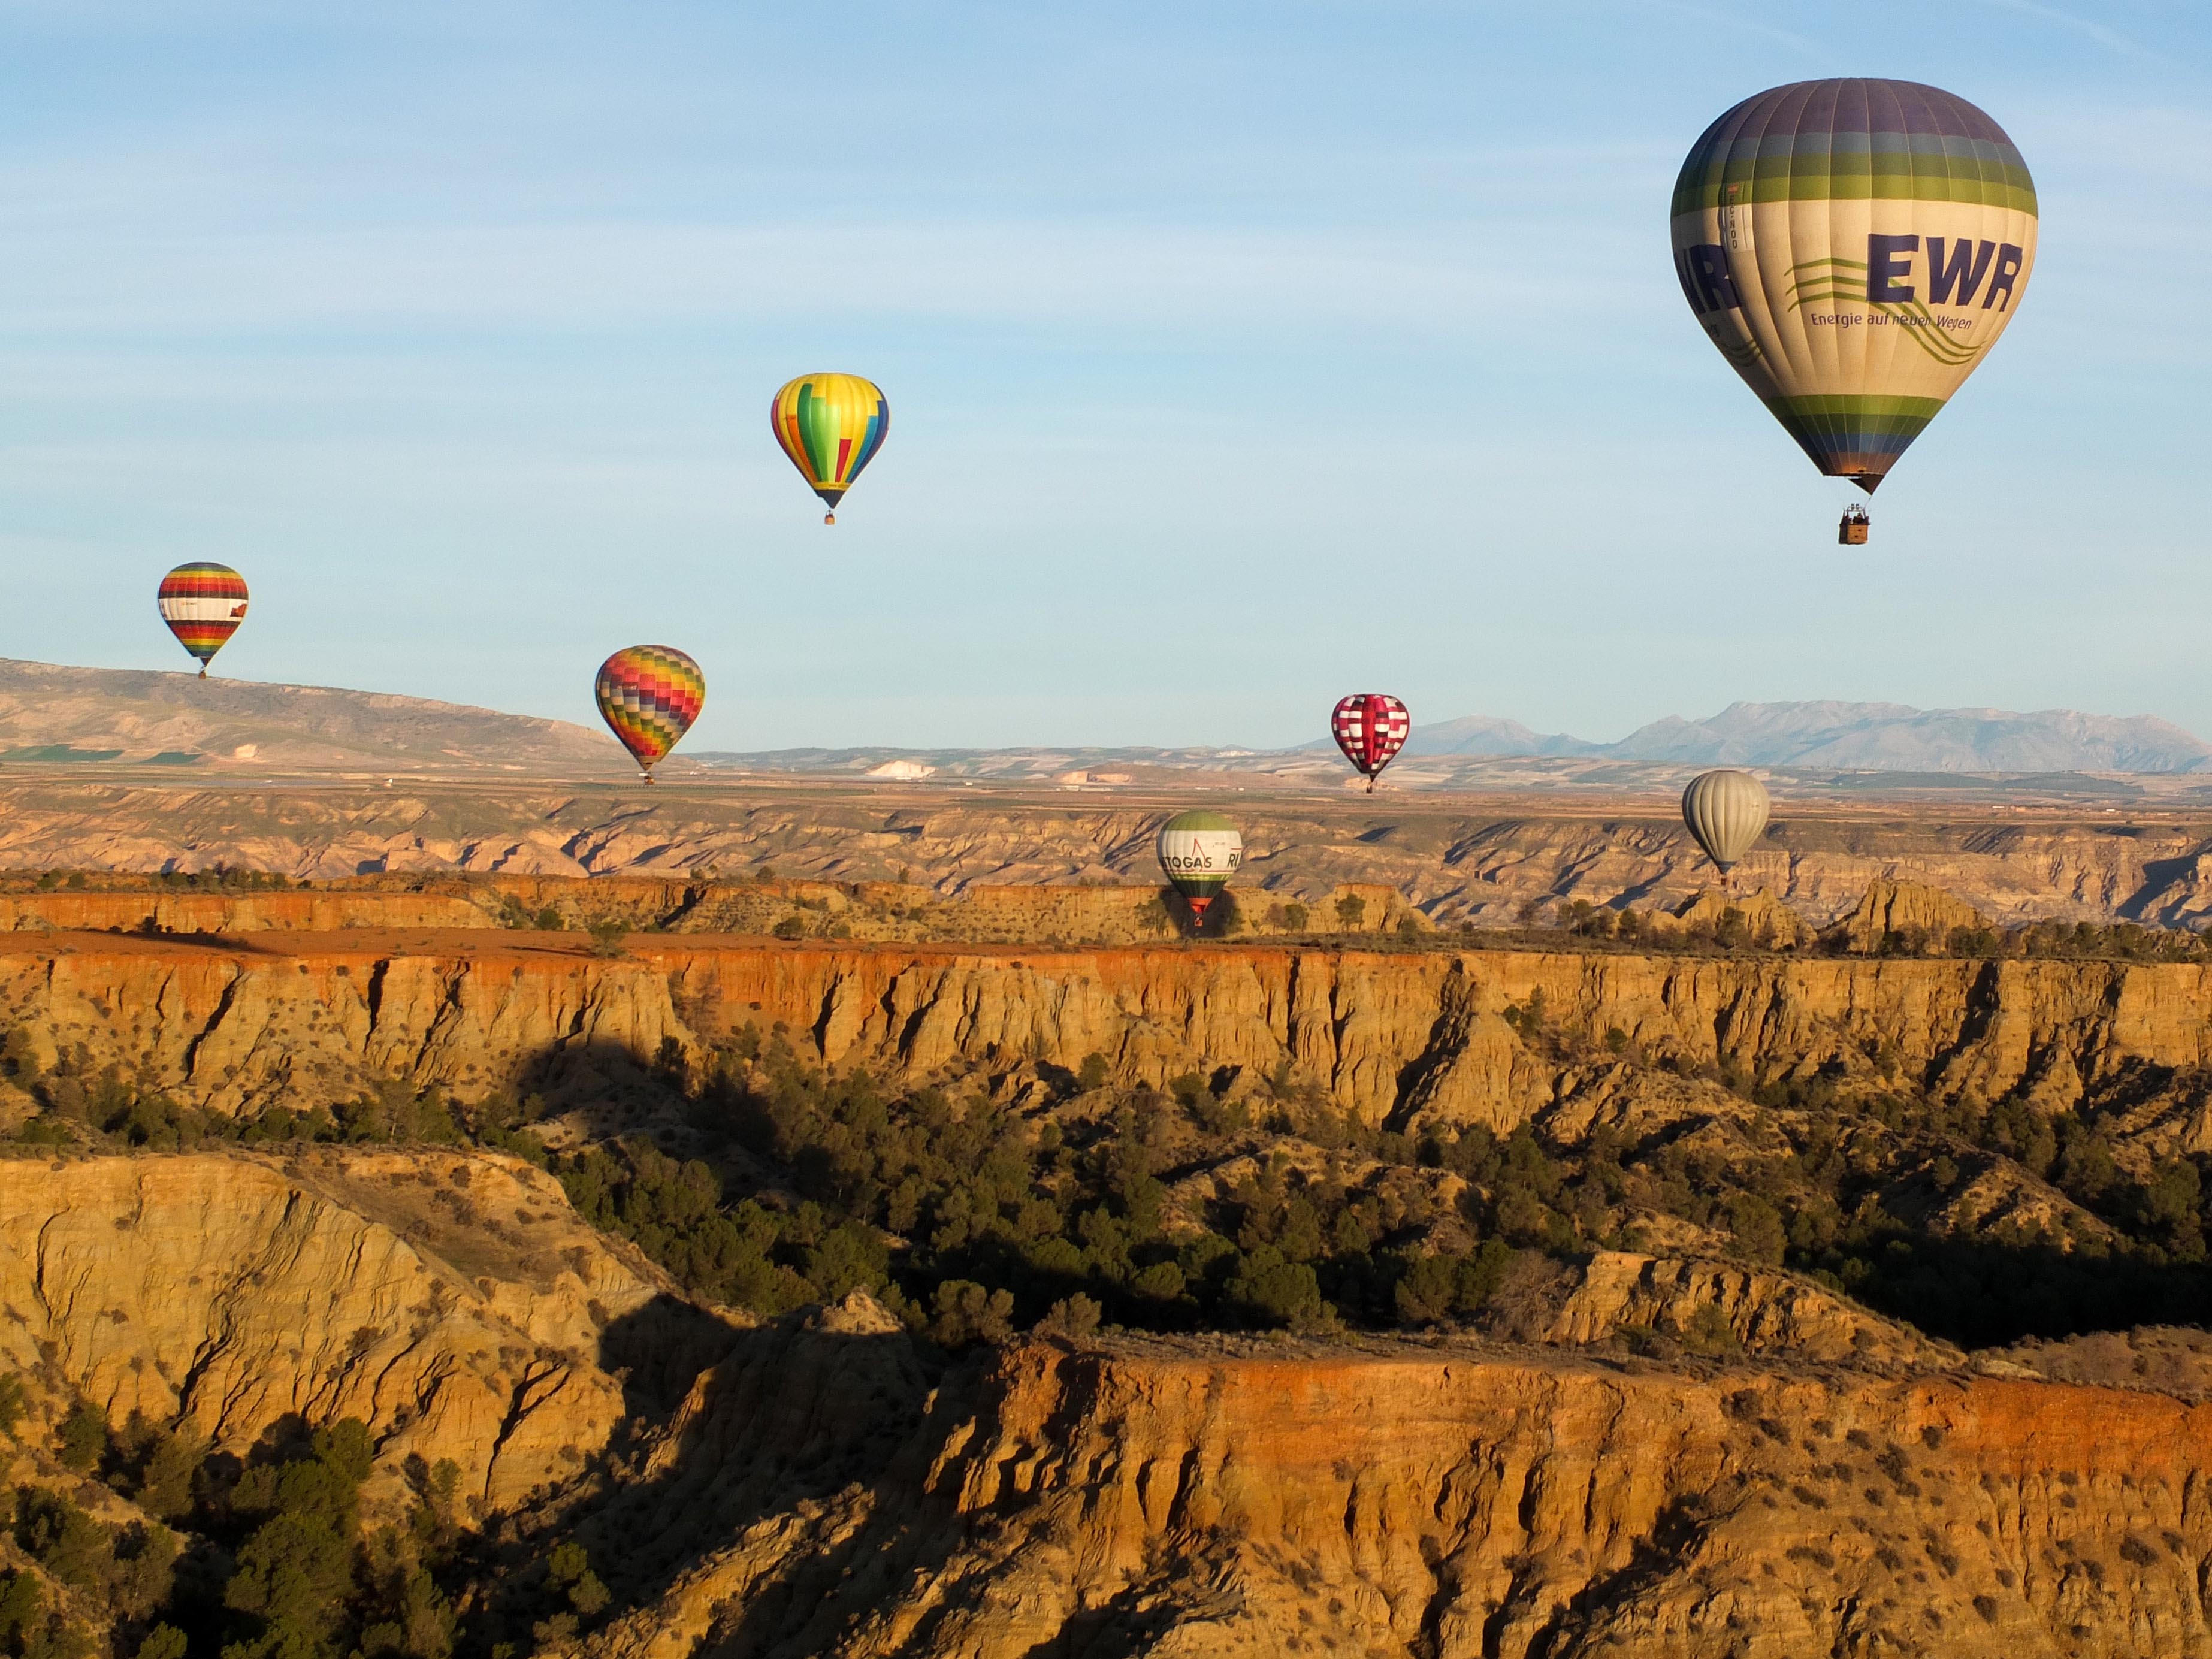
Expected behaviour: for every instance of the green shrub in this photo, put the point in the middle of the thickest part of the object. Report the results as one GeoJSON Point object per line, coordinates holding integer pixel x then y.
{"type": "Point", "coordinates": [81, 1438]}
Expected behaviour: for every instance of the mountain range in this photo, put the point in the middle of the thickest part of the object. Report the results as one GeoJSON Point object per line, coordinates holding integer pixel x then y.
{"type": "Point", "coordinates": [1873, 737]}
{"type": "Point", "coordinates": [53, 714]}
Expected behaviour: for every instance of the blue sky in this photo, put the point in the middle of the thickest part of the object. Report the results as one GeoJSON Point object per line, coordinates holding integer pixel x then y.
{"type": "Point", "coordinates": [1239, 355]}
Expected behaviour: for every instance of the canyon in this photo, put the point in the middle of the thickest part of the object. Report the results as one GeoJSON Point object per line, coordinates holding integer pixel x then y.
{"type": "Point", "coordinates": [1671, 1443]}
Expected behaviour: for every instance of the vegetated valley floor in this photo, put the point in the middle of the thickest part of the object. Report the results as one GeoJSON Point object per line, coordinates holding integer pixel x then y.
{"type": "Point", "coordinates": [429, 1288]}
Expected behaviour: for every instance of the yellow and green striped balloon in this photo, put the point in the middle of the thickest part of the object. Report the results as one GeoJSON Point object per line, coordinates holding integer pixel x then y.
{"type": "Point", "coordinates": [1854, 248]}
{"type": "Point", "coordinates": [831, 426]}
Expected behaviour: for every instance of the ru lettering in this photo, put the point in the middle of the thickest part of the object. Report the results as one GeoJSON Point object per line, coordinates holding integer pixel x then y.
{"type": "Point", "coordinates": [2007, 273]}
{"type": "Point", "coordinates": [1706, 282]}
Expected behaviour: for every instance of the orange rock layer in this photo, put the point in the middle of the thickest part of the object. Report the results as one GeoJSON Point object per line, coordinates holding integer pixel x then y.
{"type": "Point", "coordinates": [241, 1023]}
{"type": "Point", "coordinates": [1210, 1499]}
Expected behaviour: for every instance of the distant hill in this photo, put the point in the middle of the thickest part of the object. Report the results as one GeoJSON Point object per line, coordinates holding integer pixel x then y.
{"type": "Point", "coordinates": [1828, 745]}
{"type": "Point", "coordinates": [1480, 735]}
{"type": "Point", "coordinates": [53, 714]}
{"type": "Point", "coordinates": [1864, 737]}
{"type": "Point", "coordinates": [1888, 737]}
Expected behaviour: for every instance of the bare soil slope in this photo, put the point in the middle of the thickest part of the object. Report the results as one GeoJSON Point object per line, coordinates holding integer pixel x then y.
{"type": "Point", "coordinates": [60, 714]}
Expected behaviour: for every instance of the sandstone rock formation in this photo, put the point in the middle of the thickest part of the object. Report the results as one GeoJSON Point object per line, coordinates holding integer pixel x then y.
{"type": "Point", "coordinates": [1764, 1311]}
{"type": "Point", "coordinates": [1216, 1498]}
{"type": "Point", "coordinates": [1398, 1038]}
{"type": "Point", "coordinates": [1897, 910]}
{"type": "Point", "coordinates": [451, 1300]}
{"type": "Point", "coordinates": [1763, 919]}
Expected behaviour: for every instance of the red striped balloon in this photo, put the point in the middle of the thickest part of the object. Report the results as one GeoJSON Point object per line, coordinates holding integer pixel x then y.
{"type": "Point", "coordinates": [1371, 727]}
{"type": "Point", "coordinates": [204, 603]}
{"type": "Point", "coordinates": [648, 696]}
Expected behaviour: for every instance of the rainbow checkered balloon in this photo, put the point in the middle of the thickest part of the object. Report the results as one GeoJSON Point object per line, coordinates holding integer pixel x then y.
{"type": "Point", "coordinates": [648, 696]}
{"type": "Point", "coordinates": [204, 603]}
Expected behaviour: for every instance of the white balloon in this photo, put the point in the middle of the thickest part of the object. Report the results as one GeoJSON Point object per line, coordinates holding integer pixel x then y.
{"type": "Point", "coordinates": [1726, 811]}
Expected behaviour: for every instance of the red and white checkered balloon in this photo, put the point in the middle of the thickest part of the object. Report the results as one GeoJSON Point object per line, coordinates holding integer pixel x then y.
{"type": "Point", "coordinates": [1371, 727]}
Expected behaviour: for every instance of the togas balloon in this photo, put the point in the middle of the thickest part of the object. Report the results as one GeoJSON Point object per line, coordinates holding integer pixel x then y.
{"type": "Point", "coordinates": [1726, 811]}
{"type": "Point", "coordinates": [648, 696]}
{"type": "Point", "coordinates": [1854, 248]}
{"type": "Point", "coordinates": [831, 426]}
{"type": "Point", "coordinates": [204, 603]}
{"type": "Point", "coordinates": [1371, 727]}
{"type": "Point", "coordinates": [1199, 852]}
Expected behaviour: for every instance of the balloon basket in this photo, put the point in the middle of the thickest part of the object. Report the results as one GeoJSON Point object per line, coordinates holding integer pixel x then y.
{"type": "Point", "coordinates": [829, 518]}
{"type": "Point", "coordinates": [1852, 532]}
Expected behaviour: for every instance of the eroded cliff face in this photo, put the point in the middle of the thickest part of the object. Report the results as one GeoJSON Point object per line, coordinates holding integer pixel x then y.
{"type": "Point", "coordinates": [1397, 1038]}
{"type": "Point", "coordinates": [1405, 1038]}
{"type": "Point", "coordinates": [450, 1300]}
{"type": "Point", "coordinates": [1213, 1498]}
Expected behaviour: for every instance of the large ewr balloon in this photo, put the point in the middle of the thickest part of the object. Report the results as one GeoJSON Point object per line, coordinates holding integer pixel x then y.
{"type": "Point", "coordinates": [1726, 811]}
{"type": "Point", "coordinates": [831, 426]}
{"type": "Point", "coordinates": [1854, 248]}
{"type": "Point", "coordinates": [648, 696]}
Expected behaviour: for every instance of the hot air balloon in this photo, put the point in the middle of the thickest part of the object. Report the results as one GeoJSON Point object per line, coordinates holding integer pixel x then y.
{"type": "Point", "coordinates": [648, 696]}
{"type": "Point", "coordinates": [1371, 727]}
{"type": "Point", "coordinates": [204, 603]}
{"type": "Point", "coordinates": [1854, 248]}
{"type": "Point", "coordinates": [1199, 852]}
{"type": "Point", "coordinates": [831, 426]}
{"type": "Point", "coordinates": [1726, 811]}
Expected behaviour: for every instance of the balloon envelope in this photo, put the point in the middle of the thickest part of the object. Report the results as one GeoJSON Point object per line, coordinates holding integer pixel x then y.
{"type": "Point", "coordinates": [204, 603]}
{"type": "Point", "coordinates": [1726, 811]}
{"type": "Point", "coordinates": [648, 696]}
{"type": "Point", "coordinates": [831, 426]}
{"type": "Point", "coordinates": [1371, 727]}
{"type": "Point", "coordinates": [1199, 852]}
{"type": "Point", "coordinates": [1854, 248]}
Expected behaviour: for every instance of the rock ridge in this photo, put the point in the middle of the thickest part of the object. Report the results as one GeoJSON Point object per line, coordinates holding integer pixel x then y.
{"type": "Point", "coordinates": [1399, 1038]}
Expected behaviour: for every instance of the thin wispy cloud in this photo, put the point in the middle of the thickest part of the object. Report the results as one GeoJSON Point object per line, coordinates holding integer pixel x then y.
{"type": "Point", "coordinates": [617, 275]}
{"type": "Point", "coordinates": [2102, 35]}
{"type": "Point", "coordinates": [1748, 21]}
